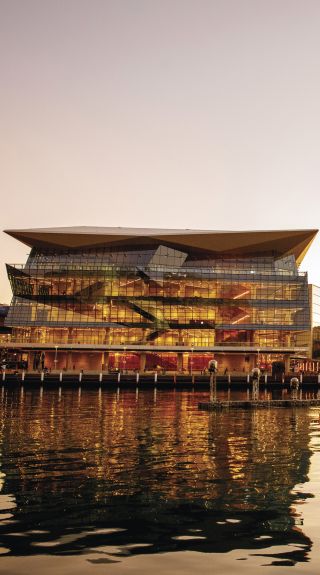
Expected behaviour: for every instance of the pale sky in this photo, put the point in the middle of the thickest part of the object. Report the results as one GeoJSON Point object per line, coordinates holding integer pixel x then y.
{"type": "Point", "coordinates": [159, 113]}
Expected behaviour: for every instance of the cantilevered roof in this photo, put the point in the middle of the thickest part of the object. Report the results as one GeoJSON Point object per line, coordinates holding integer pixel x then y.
{"type": "Point", "coordinates": [277, 242]}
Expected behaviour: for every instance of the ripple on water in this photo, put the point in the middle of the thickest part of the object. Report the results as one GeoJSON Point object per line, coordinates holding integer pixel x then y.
{"type": "Point", "coordinates": [128, 476]}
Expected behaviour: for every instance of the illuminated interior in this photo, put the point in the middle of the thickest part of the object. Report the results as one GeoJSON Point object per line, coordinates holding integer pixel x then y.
{"type": "Point", "coordinates": [153, 293]}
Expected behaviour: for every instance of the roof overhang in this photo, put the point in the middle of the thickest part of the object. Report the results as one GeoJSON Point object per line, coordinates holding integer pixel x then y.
{"type": "Point", "coordinates": [279, 243]}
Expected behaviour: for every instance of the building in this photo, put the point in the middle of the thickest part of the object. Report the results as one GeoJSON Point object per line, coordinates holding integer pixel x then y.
{"type": "Point", "coordinates": [118, 298]}
{"type": "Point", "coordinates": [314, 299]}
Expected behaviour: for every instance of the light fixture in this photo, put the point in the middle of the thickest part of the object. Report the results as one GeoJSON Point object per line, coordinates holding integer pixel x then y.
{"type": "Point", "coordinates": [240, 319]}
{"type": "Point", "coordinates": [241, 294]}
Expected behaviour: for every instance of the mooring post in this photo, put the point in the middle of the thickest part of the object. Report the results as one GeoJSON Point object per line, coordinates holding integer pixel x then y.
{"type": "Point", "coordinates": [42, 376]}
{"type": "Point", "coordinates": [100, 377]}
{"type": "Point", "coordinates": [80, 377]}
{"type": "Point", "coordinates": [119, 377]}
{"type": "Point", "coordinates": [255, 383]}
{"type": "Point", "coordinates": [266, 378]}
{"type": "Point", "coordinates": [155, 377]}
{"type": "Point", "coordinates": [294, 386]}
{"type": "Point", "coordinates": [60, 376]}
{"type": "Point", "coordinates": [23, 375]}
{"type": "Point", "coordinates": [229, 378]}
{"type": "Point", "coordinates": [213, 368]}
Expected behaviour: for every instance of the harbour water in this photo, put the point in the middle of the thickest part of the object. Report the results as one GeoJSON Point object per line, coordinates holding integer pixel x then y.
{"type": "Point", "coordinates": [113, 482]}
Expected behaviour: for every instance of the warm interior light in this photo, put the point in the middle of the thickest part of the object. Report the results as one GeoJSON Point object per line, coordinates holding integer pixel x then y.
{"type": "Point", "coordinates": [240, 319]}
{"type": "Point", "coordinates": [241, 294]}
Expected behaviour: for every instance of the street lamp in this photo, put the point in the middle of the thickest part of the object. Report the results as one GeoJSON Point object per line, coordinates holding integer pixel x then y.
{"type": "Point", "coordinates": [191, 361]}
{"type": "Point", "coordinates": [55, 361]}
{"type": "Point", "coordinates": [124, 359]}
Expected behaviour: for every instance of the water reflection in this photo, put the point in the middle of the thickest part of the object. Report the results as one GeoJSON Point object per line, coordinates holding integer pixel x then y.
{"type": "Point", "coordinates": [118, 474]}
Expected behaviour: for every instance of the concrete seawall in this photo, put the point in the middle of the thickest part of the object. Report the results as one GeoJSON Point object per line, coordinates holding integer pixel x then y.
{"type": "Point", "coordinates": [97, 379]}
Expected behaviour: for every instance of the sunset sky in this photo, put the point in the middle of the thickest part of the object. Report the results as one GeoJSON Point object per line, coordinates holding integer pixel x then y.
{"type": "Point", "coordinates": [199, 114]}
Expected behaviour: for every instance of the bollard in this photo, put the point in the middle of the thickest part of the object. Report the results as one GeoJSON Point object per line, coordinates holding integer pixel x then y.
{"type": "Point", "coordinates": [255, 383]}
{"type": "Point", "coordinates": [60, 376]}
{"type": "Point", "coordinates": [42, 376]}
{"type": "Point", "coordinates": [248, 378]}
{"type": "Point", "coordinates": [23, 375]}
{"type": "Point", "coordinates": [119, 377]}
{"type": "Point", "coordinates": [4, 375]}
{"type": "Point", "coordinates": [229, 378]}
{"type": "Point", "coordinates": [266, 378]}
{"type": "Point", "coordinates": [294, 386]}
{"type": "Point", "coordinates": [155, 377]}
{"type": "Point", "coordinates": [80, 376]}
{"type": "Point", "coordinates": [137, 378]}
{"type": "Point", "coordinates": [100, 377]}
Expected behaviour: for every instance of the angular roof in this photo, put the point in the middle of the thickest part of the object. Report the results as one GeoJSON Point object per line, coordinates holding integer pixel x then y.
{"type": "Point", "coordinates": [277, 242]}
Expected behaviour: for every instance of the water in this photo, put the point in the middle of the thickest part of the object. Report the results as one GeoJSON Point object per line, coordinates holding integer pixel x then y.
{"type": "Point", "coordinates": [110, 483]}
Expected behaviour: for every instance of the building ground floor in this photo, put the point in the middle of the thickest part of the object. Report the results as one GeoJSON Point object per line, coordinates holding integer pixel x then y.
{"type": "Point", "coordinates": [150, 360]}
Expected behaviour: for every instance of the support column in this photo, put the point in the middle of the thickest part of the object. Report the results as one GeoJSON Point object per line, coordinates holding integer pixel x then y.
{"type": "Point", "coordinates": [31, 360]}
{"type": "Point", "coordinates": [69, 361]}
{"type": "Point", "coordinates": [252, 362]}
{"type": "Point", "coordinates": [106, 361]}
{"type": "Point", "coordinates": [287, 363]}
{"type": "Point", "coordinates": [143, 359]}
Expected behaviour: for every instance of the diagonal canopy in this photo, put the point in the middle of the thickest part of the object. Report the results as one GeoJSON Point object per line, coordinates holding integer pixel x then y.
{"type": "Point", "coordinates": [238, 243]}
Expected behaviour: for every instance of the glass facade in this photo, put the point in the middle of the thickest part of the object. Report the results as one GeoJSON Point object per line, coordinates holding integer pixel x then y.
{"type": "Point", "coordinates": [158, 295]}
{"type": "Point", "coordinates": [314, 297]}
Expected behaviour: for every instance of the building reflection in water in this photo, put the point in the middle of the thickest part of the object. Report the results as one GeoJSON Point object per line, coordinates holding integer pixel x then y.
{"type": "Point", "coordinates": [129, 473]}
